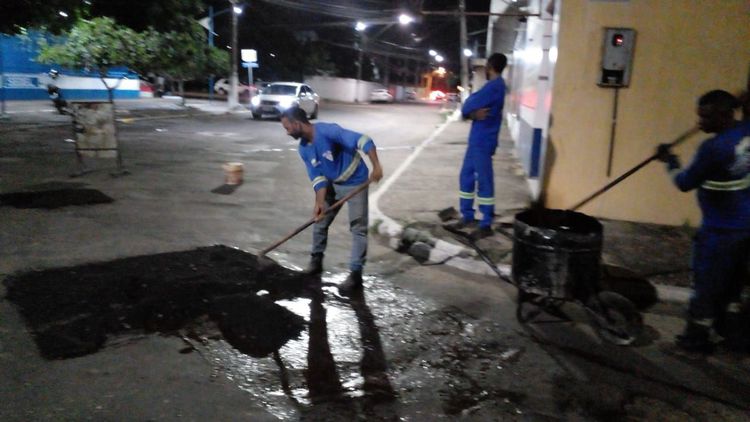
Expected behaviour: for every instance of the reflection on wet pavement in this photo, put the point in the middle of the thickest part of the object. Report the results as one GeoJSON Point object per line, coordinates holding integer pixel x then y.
{"type": "Point", "coordinates": [339, 361]}
{"type": "Point", "coordinates": [290, 341]}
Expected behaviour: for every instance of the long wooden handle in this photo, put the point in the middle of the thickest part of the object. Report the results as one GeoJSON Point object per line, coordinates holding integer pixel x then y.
{"type": "Point", "coordinates": [680, 139]}
{"type": "Point", "coordinates": [309, 222]}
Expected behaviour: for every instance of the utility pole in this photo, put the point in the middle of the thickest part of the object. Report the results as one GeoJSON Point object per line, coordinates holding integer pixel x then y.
{"type": "Point", "coordinates": [210, 44]}
{"type": "Point", "coordinates": [359, 66]}
{"type": "Point", "coordinates": [464, 59]}
{"type": "Point", "coordinates": [232, 101]}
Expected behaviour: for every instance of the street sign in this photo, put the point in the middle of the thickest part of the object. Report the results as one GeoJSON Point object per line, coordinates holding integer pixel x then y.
{"type": "Point", "coordinates": [249, 55]}
{"type": "Point", "coordinates": [248, 65]}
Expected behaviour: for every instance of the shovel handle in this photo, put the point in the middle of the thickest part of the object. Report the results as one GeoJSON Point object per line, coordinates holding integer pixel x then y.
{"type": "Point", "coordinates": [680, 139]}
{"type": "Point", "coordinates": [309, 222]}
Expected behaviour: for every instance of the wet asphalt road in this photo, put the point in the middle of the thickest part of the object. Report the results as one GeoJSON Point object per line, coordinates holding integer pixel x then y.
{"type": "Point", "coordinates": [423, 343]}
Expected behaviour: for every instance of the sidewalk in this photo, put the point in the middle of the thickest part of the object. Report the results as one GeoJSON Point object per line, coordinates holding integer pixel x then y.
{"type": "Point", "coordinates": [631, 252]}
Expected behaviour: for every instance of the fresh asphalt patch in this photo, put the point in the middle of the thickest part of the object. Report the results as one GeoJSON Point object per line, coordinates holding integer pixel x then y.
{"type": "Point", "coordinates": [205, 293]}
{"type": "Point", "coordinates": [50, 199]}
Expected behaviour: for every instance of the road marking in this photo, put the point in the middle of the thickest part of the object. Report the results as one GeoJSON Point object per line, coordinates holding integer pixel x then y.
{"type": "Point", "coordinates": [388, 225]}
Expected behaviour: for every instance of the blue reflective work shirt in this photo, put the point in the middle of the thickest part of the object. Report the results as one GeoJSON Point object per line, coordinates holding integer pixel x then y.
{"type": "Point", "coordinates": [333, 155]}
{"type": "Point", "coordinates": [721, 172]}
{"type": "Point", "coordinates": [484, 133]}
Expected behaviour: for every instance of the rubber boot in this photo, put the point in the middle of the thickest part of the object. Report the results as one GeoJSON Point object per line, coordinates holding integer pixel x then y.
{"type": "Point", "coordinates": [352, 284]}
{"type": "Point", "coordinates": [732, 328]}
{"type": "Point", "coordinates": [315, 266]}
{"type": "Point", "coordinates": [695, 338]}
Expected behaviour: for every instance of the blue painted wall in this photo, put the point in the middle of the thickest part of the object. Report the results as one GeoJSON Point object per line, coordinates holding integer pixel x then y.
{"type": "Point", "coordinates": [23, 78]}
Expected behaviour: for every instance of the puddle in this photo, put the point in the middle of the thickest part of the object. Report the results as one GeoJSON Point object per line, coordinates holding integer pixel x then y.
{"type": "Point", "coordinates": [50, 199]}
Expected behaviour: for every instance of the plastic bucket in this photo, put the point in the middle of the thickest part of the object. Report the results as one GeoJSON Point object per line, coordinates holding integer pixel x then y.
{"type": "Point", "coordinates": [233, 173]}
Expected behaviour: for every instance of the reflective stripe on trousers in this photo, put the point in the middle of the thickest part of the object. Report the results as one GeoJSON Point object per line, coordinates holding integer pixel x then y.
{"type": "Point", "coordinates": [477, 176]}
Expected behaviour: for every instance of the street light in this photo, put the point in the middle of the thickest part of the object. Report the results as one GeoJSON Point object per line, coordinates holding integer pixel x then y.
{"type": "Point", "coordinates": [233, 101]}
{"type": "Point", "coordinates": [433, 53]}
{"type": "Point", "coordinates": [467, 52]}
{"type": "Point", "coordinates": [439, 58]}
{"type": "Point", "coordinates": [405, 19]}
{"type": "Point", "coordinates": [208, 23]}
{"type": "Point", "coordinates": [360, 27]}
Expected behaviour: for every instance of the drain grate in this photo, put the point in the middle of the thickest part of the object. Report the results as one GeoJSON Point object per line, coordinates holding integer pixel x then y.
{"type": "Point", "coordinates": [50, 199]}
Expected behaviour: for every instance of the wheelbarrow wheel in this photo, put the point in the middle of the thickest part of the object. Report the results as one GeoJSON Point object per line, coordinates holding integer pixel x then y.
{"type": "Point", "coordinates": [528, 306]}
{"type": "Point", "coordinates": [615, 318]}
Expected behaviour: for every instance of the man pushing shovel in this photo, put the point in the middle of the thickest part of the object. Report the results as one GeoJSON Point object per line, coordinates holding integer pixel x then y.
{"type": "Point", "coordinates": [335, 167]}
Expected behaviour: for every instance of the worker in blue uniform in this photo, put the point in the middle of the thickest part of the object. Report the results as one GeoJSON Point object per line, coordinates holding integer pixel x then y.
{"type": "Point", "coordinates": [485, 109]}
{"type": "Point", "coordinates": [332, 157]}
{"type": "Point", "coordinates": [720, 171]}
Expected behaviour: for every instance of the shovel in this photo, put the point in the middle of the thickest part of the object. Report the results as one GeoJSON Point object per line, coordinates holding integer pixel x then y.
{"type": "Point", "coordinates": [309, 222]}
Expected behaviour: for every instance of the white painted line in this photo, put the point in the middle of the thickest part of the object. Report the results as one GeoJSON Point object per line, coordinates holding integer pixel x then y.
{"type": "Point", "coordinates": [389, 226]}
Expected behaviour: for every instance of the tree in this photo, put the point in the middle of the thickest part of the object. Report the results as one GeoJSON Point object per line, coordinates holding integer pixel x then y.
{"type": "Point", "coordinates": [317, 60]}
{"type": "Point", "coordinates": [164, 15]}
{"type": "Point", "coordinates": [184, 56]}
{"type": "Point", "coordinates": [98, 45]}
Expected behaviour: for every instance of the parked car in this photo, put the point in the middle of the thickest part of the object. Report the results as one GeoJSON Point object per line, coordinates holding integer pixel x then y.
{"type": "Point", "coordinates": [222, 87]}
{"type": "Point", "coordinates": [279, 96]}
{"type": "Point", "coordinates": [381, 96]}
{"type": "Point", "coordinates": [410, 94]}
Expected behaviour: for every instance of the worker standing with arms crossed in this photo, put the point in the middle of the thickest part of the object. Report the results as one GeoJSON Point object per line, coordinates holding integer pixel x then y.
{"type": "Point", "coordinates": [485, 109]}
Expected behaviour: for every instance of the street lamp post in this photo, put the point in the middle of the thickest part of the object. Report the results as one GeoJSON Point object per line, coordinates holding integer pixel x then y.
{"type": "Point", "coordinates": [236, 10]}
{"type": "Point", "coordinates": [232, 101]}
{"type": "Point", "coordinates": [360, 27]}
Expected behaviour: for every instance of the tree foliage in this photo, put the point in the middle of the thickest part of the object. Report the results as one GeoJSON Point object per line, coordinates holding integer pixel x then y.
{"type": "Point", "coordinates": [317, 60]}
{"type": "Point", "coordinates": [100, 44]}
{"type": "Point", "coordinates": [163, 15]}
{"type": "Point", "coordinates": [184, 56]}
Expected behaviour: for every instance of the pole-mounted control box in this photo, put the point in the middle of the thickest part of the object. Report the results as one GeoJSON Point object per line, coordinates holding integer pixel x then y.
{"type": "Point", "coordinates": [617, 57]}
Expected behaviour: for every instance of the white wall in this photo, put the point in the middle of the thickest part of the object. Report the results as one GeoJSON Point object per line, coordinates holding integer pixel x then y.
{"type": "Point", "coordinates": [341, 89]}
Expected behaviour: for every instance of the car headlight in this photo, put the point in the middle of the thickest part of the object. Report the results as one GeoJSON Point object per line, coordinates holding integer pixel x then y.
{"type": "Point", "coordinates": [286, 102]}
{"type": "Point", "coordinates": [255, 101]}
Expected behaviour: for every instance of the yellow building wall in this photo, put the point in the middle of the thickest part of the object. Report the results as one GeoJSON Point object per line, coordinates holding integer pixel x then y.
{"type": "Point", "coordinates": [683, 49]}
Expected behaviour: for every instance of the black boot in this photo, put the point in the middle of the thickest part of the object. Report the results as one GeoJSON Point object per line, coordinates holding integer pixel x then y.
{"type": "Point", "coordinates": [695, 339]}
{"type": "Point", "coordinates": [352, 284]}
{"type": "Point", "coordinates": [316, 264]}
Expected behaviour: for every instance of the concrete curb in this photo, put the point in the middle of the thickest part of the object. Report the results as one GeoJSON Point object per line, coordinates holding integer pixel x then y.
{"type": "Point", "coordinates": [427, 249]}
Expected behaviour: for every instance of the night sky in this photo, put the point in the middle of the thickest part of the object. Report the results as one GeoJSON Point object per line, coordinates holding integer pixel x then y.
{"type": "Point", "coordinates": [333, 21]}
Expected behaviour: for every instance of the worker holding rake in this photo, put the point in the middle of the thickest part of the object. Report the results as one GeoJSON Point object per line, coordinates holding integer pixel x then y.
{"type": "Point", "coordinates": [332, 157]}
{"type": "Point", "coordinates": [720, 172]}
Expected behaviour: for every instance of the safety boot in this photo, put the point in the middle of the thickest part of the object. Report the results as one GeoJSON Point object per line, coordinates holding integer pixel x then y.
{"type": "Point", "coordinates": [731, 326]}
{"type": "Point", "coordinates": [315, 266]}
{"type": "Point", "coordinates": [462, 225]}
{"type": "Point", "coordinates": [481, 233]}
{"type": "Point", "coordinates": [352, 284]}
{"type": "Point", "coordinates": [695, 339]}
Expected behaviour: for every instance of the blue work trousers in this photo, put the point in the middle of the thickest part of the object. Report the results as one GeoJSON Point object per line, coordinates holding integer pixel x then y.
{"type": "Point", "coordinates": [720, 259]}
{"type": "Point", "coordinates": [477, 176]}
{"type": "Point", "coordinates": [358, 221]}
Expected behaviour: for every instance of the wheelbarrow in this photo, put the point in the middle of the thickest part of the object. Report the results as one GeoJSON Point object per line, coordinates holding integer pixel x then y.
{"type": "Point", "coordinates": [557, 259]}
